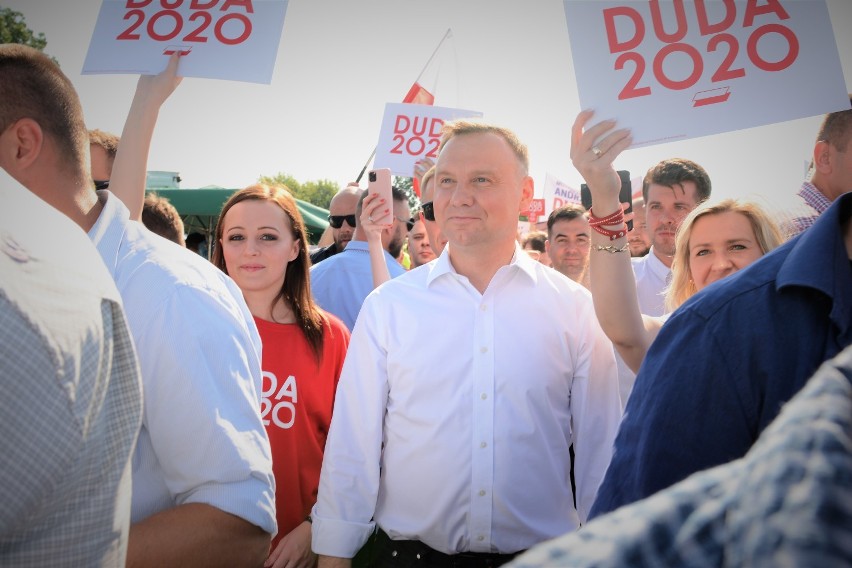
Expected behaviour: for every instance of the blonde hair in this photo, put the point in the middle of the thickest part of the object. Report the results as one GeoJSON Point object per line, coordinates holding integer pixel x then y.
{"type": "Point", "coordinates": [426, 179]}
{"type": "Point", "coordinates": [765, 230]}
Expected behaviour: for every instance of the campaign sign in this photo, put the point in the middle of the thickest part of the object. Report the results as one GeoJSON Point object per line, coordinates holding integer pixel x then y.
{"type": "Point", "coordinates": [411, 132]}
{"type": "Point", "coordinates": [536, 209]}
{"type": "Point", "coordinates": [558, 193]}
{"type": "Point", "coordinates": [219, 39]}
{"type": "Point", "coordinates": [674, 69]}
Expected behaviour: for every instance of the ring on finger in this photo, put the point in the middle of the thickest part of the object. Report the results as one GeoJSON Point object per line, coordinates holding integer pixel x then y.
{"type": "Point", "coordinates": [370, 218]}
{"type": "Point", "coordinates": [597, 151]}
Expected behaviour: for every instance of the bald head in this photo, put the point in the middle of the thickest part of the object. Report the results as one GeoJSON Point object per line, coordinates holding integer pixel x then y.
{"type": "Point", "coordinates": [344, 203]}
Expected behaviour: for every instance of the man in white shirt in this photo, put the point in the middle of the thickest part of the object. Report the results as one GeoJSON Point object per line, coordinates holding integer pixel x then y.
{"type": "Point", "coordinates": [203, 491]}
{"type": "Point", "coordinates": [671, 189]}
{"type": "Point", "coordinates": [459, 449]}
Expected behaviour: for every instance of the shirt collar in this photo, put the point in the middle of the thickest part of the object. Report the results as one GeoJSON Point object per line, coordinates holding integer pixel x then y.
{"type": "Point", "coordinates": [656, 265]}
{"type": "Point", "coordinates": [814, 197]}
{"type": "Point", "coordinates": [819, 260]}
{"type": "Point", "coordinates": [108, 231]}
{"type": "Point", "coordinates": [521, 261]}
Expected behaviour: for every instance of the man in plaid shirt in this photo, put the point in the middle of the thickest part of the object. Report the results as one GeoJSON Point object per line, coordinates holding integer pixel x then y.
{"type": "Point", "coordinates": [831, 173]}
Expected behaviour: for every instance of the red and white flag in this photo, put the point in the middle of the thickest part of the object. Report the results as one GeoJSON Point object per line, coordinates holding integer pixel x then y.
{"type": "Point", "coordinates": [418, 95]}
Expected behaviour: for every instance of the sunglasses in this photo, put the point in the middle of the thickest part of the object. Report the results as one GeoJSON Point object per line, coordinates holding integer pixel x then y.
{"type": "Point", "coordinates": [409, 223]}
{"type": "Point", "coordinates": [101, 184]}
{"type": "Point", "coordinates": [428, 210]}
{"type": "Point", "coordinates": [336, 221]}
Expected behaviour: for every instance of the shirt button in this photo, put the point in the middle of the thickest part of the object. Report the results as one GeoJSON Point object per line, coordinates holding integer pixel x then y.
{"type": "Point", "coordinates": [482, 493]}
{"type": "Point", "coordinates": [483, 445]}
{"type": "Point", "coordinates": [483, 396]}
{"type": "Point", "coordinates": [480, 538]}
{"type": "Point", "coordinates": [484, 307]}
{"type": "Point", "coordinates": [483, 350]}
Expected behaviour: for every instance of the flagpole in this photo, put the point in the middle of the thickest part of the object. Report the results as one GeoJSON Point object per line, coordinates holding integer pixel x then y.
{"type": "Point", "coordinates": [434, 53]}
{"type": "Point", "coordinates": [448, 34]}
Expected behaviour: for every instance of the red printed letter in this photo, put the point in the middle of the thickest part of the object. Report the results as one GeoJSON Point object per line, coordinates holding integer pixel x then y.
{"type": "Point", "coordinates": [752, 10]}
{"type": "Point", "coordinates": [435, 129]}
{"type": "Point", "coordinates": [609, 21]}
{"type": "Point", "coordinates": [704, 24]}
{"type": "Point", "coordinates": [402, 124]}
{"type": "Point", "coordinates": [786, 61]}
{"type": "Point", "coordinates": [244, 3]}
{"type": "Point", "coordinates": [657, 19]}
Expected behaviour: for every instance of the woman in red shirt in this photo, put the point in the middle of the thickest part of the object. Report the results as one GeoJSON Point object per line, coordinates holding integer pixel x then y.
{"type": "Point", "coordinates": [261, 243]}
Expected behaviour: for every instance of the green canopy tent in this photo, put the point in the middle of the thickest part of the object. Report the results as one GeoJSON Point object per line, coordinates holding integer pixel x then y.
{"type": "Point", "coordinates": [199, 209]}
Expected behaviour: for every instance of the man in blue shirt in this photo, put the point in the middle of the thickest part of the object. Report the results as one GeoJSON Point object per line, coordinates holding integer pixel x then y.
{"type": "Point", "coordinates": [788, 502]}
{"type": "Point", "coordinates": [729, 358]}
{"type": "Point", "coordinates": [342, 282]}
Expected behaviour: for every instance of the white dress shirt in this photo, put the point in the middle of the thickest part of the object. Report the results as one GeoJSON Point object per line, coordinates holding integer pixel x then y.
{"type": "Point", "coordinates": [202, 439]}
{"type": "Point", "coordinates": [456, 409]}
{"type": "Point", "coordinates": [652, 278]}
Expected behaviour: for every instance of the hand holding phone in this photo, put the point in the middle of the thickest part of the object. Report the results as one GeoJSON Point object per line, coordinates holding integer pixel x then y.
{"type": "Point", "coordinates": [380, 184]}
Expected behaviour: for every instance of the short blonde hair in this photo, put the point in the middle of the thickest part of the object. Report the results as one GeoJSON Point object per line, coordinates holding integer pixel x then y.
{"type": "Point", "coordinates": [462, 126]}
{"type": "Point", "coordinates": [426, 179]}
{"type": "Point", "coordinates": [765, 231]}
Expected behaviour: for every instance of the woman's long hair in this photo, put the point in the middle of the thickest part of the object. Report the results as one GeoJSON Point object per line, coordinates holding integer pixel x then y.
{"type": "Point", "coordinates": [765, 231]}
{"type": "Point", "coordinates": [296, 291]}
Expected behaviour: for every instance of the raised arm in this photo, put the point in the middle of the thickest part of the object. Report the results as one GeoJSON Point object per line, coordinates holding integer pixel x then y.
{"type": "Point", "coordinates": [613, 284]}
{"type": "Point", "coordinates": [128, 177]}
{"type": "Point", "coordinates": [374, 206]}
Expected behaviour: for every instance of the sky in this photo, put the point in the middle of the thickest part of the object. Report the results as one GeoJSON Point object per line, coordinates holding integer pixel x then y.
{"type": "Point", "coordinates": [340, 61]}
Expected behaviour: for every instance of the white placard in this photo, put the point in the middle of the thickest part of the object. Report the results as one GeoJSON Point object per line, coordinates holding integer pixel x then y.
{"type": "Point", "coordinates": [671, 70]}
{"type": "Point", "coordinates": [220, 39]}
{"type": "Point", "coordinates": [410, 132]}
{"type": "Point", "coordinates": [558, 193]}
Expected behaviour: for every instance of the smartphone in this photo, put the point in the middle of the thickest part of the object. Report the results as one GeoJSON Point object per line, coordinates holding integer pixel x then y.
{"type": "Point", "coordinates": [624, 196]}
{"type": "Point", "coordinates": [380, 183]}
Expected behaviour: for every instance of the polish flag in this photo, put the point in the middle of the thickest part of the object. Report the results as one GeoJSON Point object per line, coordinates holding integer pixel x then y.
{"type": "Point", "coordinates": [418, 95]}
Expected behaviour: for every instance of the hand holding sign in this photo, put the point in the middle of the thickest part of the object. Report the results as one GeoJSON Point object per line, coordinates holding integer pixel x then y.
{"type": "Point", "coordinates": [671, 69]}
{"type": "Point", "coordinates": [224, 39]}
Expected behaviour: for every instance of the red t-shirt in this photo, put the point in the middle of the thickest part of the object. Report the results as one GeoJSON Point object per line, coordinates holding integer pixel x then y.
{"type": "Point", "coordinates": [297, 400]}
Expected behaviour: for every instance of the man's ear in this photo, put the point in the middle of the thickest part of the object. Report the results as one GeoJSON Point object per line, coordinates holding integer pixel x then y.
{"type": "Point", "coordinates": [22, 144]}
{"type": "Point", "coordinates": [822, 156]}
{"type": "Point", "coordinates": [527, 193]}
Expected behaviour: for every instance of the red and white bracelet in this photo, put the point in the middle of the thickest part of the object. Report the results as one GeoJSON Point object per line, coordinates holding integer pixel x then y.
{"type": "Point", "coordinates": [617, 218]}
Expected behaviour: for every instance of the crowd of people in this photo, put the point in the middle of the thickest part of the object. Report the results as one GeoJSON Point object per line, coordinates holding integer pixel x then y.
{"type": "Point", "coordinates": [582, 395]}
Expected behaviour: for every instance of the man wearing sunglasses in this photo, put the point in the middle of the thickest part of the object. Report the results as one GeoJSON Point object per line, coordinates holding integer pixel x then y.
{"type": "Point", "coordinates": [341, 283]}
{"type": "Point", "coordinates": [341, 218]}
{"type": "Point", "coordinates": [103, 147]}
{"type": "Point", "coordinates": [437, 240]}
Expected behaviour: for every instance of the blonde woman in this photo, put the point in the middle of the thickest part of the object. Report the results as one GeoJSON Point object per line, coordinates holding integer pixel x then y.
{"type": "Point", "coordinates": [714, 241]}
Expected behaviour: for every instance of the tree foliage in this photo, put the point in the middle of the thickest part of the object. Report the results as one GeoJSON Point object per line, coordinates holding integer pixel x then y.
{"type": "Point", "coordinates": [318, 192]}
{"type": "Point", "coordinates": [13, 29]}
